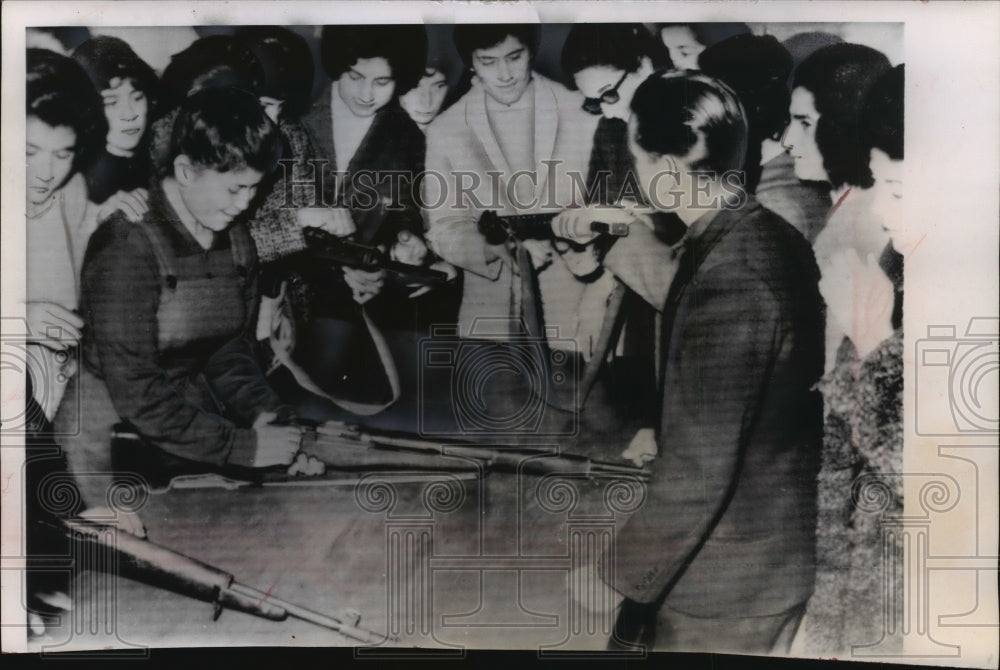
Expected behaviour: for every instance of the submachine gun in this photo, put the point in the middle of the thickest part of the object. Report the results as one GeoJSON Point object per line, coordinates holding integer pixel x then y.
{"type": "Point", "coordinates": [497, 229]}
{"type": "Point", "coordinates": [325, 249]}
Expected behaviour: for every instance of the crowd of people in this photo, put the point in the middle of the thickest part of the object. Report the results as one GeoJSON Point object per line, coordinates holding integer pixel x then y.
{"type": "Point", "coordinates": [756, 301]}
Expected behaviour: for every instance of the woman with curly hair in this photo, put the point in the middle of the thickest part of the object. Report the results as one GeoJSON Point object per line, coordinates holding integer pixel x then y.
{"type": "Point", "coordinates": [128, 88]}
{"type": "Point", "coordinates": [824, 141]}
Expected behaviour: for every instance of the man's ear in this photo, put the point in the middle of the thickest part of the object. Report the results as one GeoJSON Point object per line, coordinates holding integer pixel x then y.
{"type": "Point", "coordinates": [184, 170]}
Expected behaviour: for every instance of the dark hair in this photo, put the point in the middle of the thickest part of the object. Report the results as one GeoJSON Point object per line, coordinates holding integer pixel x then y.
{"type": "Point", "coordinates": [621, 46]}
{"type": "Point", "coordinates": [225, 129]}
{"type": "Point", "coordinates": [708, 34]}
{"type": "Point", "coordinates": [216, 61]}
{"type": "Point", "coordinates": [472, 36]}
{"type": "Point", "coordinates": [882, 118]}
{"type": "Point", "coordinates": [404, 47]}
{"type": "Point", "coordinates": [59, 93]}
{"type": "Point", "coordinates": [757, 68]}
{"type": "Point", "coordinates": [441, 55]}
{"type": "Point", "coordinates": [803, 45]}
{"type": "Point", "coordinates": [106, 58]}
{"type": "Point", "coordinates": [286, 64]}
{"type": "Point", "coordinates": [674, 110]}
{"type": "Point", "coordinates": [839, 77]}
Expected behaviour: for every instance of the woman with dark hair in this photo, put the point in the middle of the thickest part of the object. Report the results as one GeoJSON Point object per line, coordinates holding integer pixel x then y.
{"type": "Point", "coordinates": [128, 88]}
{"type": "Point", "coordinates": [217, 61]}
{"type": "Point", "coordinates": [686, 41]}
{"type": "Point", "coordinates": [824, 141]}
{"type": "Point", "coordinates": [827, 94]}
{"type": "Point", "coordinates": [286, 69]}
{"type": "Point", "coordinates": [858, 567]}
{"type": "Point", "coordinates": [441, 75]}
{"type": "Point", "coordinates": [64, 128]}
{"type": "Point", "coordinates": [608, 62]}
{"type": "Point", "coordinates": [170, 303]}
{"type": "Point", "coordinates": [370, 153]}
{"type": "Point", "coordinates": [758, 68]}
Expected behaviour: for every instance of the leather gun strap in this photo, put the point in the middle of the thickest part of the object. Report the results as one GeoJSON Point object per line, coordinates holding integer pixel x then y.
{"type": "Point", "coordinates": [534, 321]}
{"type": "Point", "coordinates": [360, 408]}
{"type": "Point", "coordinates": [610, 329]}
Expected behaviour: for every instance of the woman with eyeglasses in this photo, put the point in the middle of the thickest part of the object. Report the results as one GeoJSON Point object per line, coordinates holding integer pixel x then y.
{"type": "Point", "coordinates": [608, 62]}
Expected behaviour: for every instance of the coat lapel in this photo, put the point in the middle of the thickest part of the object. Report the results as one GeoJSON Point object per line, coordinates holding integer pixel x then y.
{"type": "Point", "coordinates": [546, 125]}
{"type": "Point", "coordinates": [364, 157]}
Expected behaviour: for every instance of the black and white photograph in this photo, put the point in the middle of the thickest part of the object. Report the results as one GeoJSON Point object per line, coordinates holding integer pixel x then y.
{"type": "Point", "coordinates": [570, 328]}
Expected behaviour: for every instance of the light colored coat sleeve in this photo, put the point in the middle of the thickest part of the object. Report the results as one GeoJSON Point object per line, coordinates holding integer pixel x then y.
{"type": "Point", "coordinates": [644, 264]}
{"type": "Point", "coordinates": [452, 229]}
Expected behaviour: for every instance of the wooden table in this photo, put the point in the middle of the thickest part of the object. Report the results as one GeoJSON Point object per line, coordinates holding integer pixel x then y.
{"type": "Point", "coordinates": [454, 560]}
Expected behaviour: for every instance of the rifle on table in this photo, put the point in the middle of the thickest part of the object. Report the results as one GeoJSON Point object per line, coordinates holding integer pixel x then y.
{"type": "Point", "coordinates": [343, 446]}
{"type": "Point", "coordinates": [322, 248]}
{"type": "Point", "coordinates": [158, 566]}
{"type": "Point", "coordinates": [497, 229]}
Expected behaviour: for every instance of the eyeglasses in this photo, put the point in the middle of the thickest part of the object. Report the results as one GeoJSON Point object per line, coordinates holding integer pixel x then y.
{"type": "Point", "coordinates": [609, 97]}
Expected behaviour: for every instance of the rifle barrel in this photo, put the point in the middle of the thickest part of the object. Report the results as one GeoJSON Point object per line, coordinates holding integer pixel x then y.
{"type": "Point", "coordinates": [536, 461]}
{"type": "Point", "coordinates": [304, 613]}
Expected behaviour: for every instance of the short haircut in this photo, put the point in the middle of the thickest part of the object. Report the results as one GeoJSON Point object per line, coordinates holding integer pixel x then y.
{"type": "Point", "coordinates": [675, 110]}
{"type": "Point", "coordinates": [470, 37]}
{"type": "Point", "coordinates": [404, 47]}
{"type": "Point", "coordinates": [106, 58]}
{"type": "Point", "coordinates": [216, 61]}
{"type": "Point", "coordinates": [621, 46]}
{"type": "Point", "coordinates": [286, 64]}
{"type": "Point", "coordinates": [757, 69]}
{"type": "Point", "coordinates": [839, 77]}
{"type": "Point", "coordinates": [882, 118]}
{"type": "Point", "coordinates": [225, 129]}
{"type": "Point", "coordinates": [59, 93]}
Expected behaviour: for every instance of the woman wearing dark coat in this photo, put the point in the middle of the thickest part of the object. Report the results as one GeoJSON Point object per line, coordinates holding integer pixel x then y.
{"type": "Point", "coordinates": [129, 90]}
{"type": "Point", "coordinates": [368, 152]}
{"type": "Point", "coordinates": [607, 63]}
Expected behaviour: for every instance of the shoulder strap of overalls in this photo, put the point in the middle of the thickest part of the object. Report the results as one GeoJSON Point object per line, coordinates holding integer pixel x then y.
{"type": "Point", "coordinates": [160, 247]}
{"type": "Point", "coordinates": [242, 247]}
